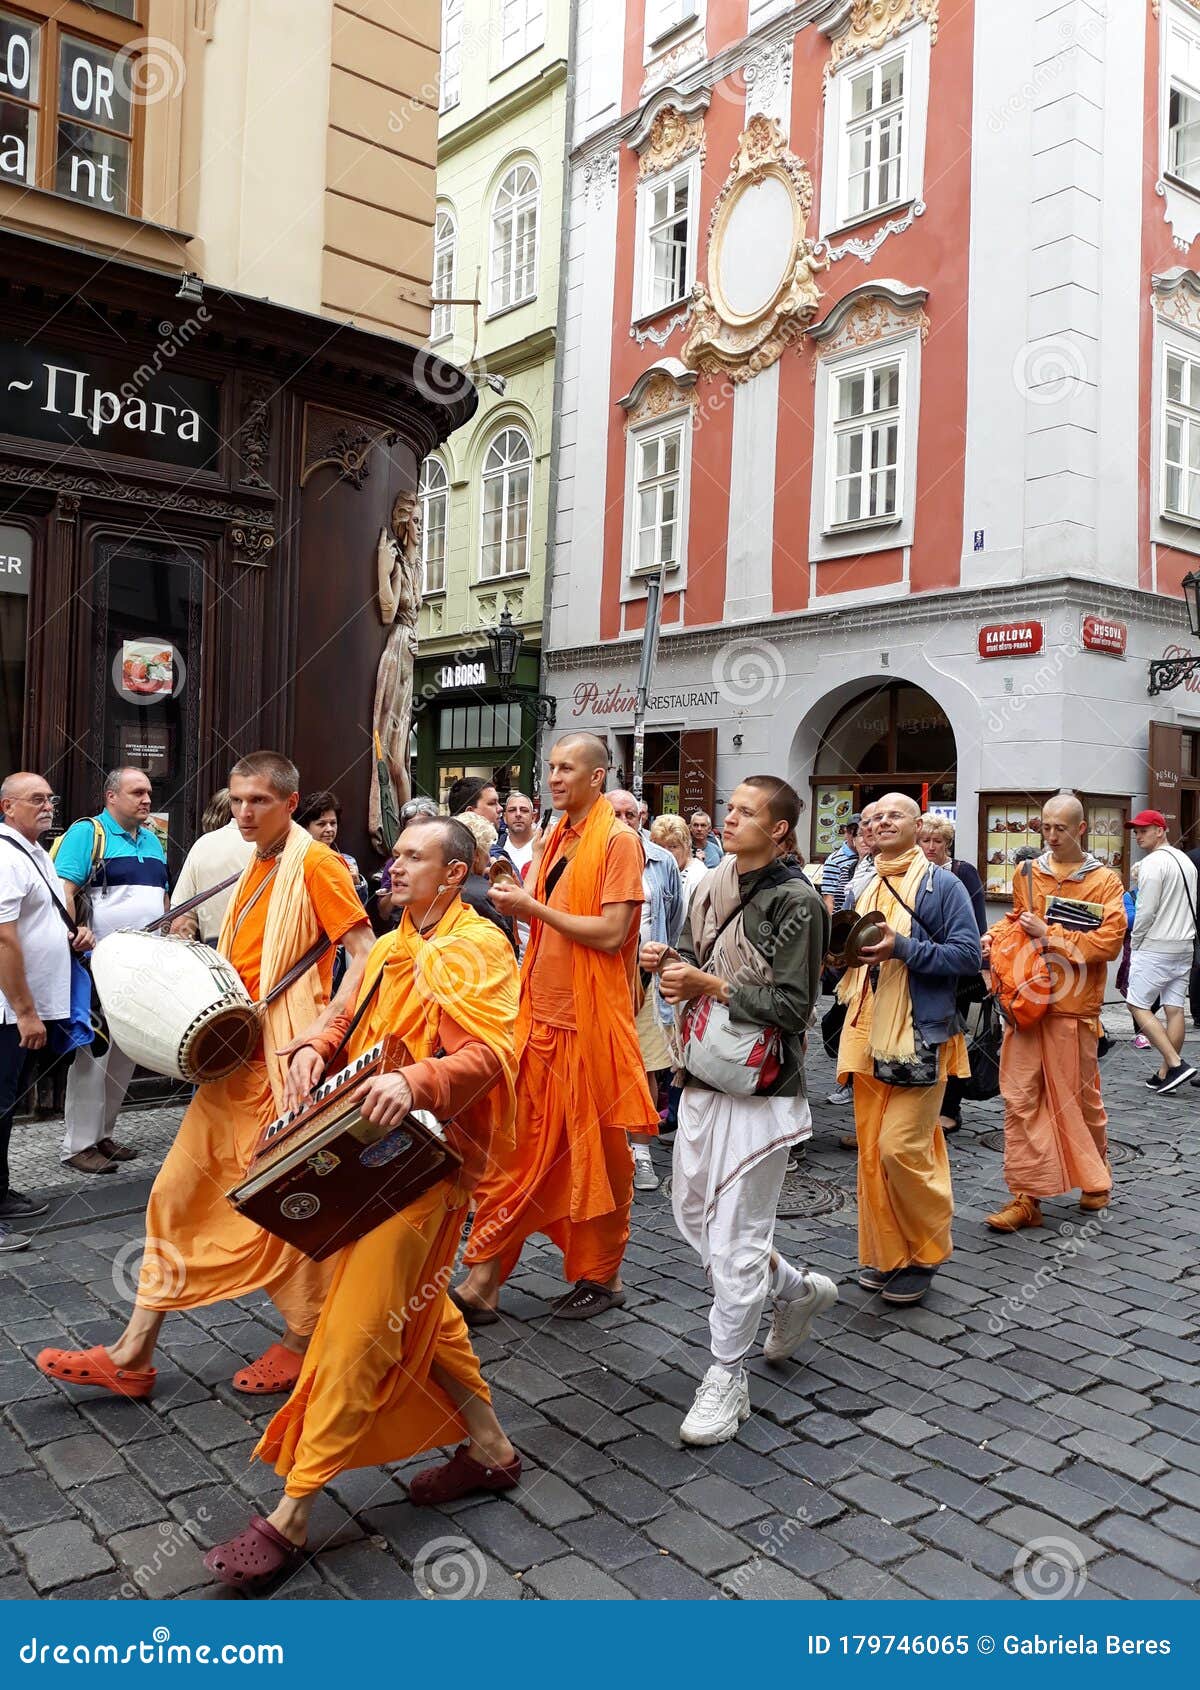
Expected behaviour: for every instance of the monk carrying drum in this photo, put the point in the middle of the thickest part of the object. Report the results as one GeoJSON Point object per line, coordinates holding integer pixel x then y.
{"type": "Point", "coordinates": [292, 893]}
{"type": "Point", "coordinates": [390, 1371]}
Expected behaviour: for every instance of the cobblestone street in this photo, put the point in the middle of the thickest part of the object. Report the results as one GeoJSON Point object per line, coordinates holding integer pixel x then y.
{"type": "Point", "coordinates": [1033, 1430]}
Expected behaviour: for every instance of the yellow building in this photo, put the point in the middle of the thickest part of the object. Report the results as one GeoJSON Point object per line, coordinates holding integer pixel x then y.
{"type": "Point", "coordinates": [216, 244]}
{"type": "Point", "coordinates": [486, 495]}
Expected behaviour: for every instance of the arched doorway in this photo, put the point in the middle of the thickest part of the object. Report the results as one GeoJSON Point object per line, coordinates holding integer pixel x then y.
{"type": "Point", "coordinates": [891, 738]}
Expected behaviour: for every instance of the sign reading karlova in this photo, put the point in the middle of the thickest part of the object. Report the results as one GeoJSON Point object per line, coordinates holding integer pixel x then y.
{"type": "Point", "coordinates": [1011, 639]}
{"type": "Point", "coordinates": [1101, 634]}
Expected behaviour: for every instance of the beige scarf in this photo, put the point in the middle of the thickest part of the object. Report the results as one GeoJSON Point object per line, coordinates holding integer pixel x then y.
{"type": "Point", "coordinates": [889, 1030]}
{"type": "Point", "coordinates": [291, 929]}
{"type": "Point", "coordinates": [732, 956]}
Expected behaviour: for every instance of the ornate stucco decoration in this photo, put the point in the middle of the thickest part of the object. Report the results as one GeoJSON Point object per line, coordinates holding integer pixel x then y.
{"type": "Point", "coordinates": [672, 63]}
{"type": "Point", "coordinates": [866, 246]}
{"type": "Point", "coordinates": [873, 23]}
{"type": "Point", "coordinates": [1175, 296]}
{"type": "Point", "coordinates": [670, 127]}
{"type": "Point", "coordinates": [767, 76]}
{"type": "Point", "coordinates": [761, 289]}
{"type": "Point", "coordinates": [600, 175]}
{"type": "Point", "coordinates": [664, 387]}
{"type": "Point", "coordinates": [871, 312]}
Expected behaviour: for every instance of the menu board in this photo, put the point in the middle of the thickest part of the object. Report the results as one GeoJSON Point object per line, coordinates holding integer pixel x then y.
{"type": "Point", "coordinates": [1106, 838]}
{"type": "Point", "coordinates": [834, 807]}
{"type": "Point", "coordinates": [1011, 823]}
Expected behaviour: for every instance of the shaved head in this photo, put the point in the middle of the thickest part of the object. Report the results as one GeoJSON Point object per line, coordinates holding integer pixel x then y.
{"type": "Point", "coordinates": [455, 838]}
{"type": "Point", "coordinates": [589, 748]}
{"type": "Point", "coordinates": [900, 801]}
{"type": "Point", "coordinates": [1064, 808]}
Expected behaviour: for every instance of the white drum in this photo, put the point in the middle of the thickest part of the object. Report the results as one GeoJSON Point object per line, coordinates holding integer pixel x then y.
{"type": "Point", "coordinates": [175, 1006]}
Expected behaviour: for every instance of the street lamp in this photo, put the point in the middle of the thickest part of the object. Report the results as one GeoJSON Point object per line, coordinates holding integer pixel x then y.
{"type": "Point", "coordinates": [1168, 672]}
{"type": "Point", "coordinates": [506, 642]}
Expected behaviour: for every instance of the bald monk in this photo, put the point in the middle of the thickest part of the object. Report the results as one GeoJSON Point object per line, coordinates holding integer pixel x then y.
{"type": "Point", "coordinates": [581, 1086]}
{"type": "Point", "coordinates": [199, 1250]}
{"type": "Point", "coordinates": [390, 1371]}
{"type": "Point", "coordinates": [1055, 1125]}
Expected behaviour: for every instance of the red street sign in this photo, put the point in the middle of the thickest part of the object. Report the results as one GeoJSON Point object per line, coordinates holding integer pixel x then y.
{"type": "Point", "coordinates": [1101, 635]}
{"type": "Point", "coordinates": [1011, 639]}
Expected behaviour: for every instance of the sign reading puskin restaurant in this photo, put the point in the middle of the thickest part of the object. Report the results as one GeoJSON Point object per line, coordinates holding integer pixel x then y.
{"type": "Point", "coordinates": [1101, 634]}
{"type": "Point", "coordinates": [619, 700]}
{"type": "Point", "coordinates": [71, 398]}
{"type": "Point", "coordinates": [1011, 639]}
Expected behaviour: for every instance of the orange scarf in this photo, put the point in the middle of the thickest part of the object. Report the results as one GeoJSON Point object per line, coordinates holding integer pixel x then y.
{"type": "Point", "coordinates": [608, 1048]}
{"type": "Point", "coordinates": [465, 967]}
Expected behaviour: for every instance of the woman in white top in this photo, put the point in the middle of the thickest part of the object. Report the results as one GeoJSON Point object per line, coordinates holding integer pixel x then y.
{"type": "Point", "coordinates": [673, 834]}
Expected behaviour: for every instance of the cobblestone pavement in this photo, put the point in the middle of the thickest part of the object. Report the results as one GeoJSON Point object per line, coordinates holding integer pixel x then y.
{"type": "Point", "coordinates": [1033, 1430]}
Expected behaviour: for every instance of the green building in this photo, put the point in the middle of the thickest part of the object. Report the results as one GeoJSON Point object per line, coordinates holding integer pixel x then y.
{"type": "Point", "coordinates": [486, 496]}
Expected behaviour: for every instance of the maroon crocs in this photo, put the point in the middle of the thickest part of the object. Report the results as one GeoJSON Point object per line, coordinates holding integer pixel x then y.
{"type": "Point", "coordinates": [254, 1558]}
{"type": "Point", "coordinates": [460, 1476]}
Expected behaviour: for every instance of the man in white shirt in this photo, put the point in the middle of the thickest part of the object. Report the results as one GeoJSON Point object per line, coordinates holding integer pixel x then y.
{"type": "Point", "coordinates": [1161, 946]}
{"type": "Point", "coordinates": [213, 858]}
{"type": "Point", "coordinates": [518, 848]}
{"type": "Point", "coordinates": [35, 966]}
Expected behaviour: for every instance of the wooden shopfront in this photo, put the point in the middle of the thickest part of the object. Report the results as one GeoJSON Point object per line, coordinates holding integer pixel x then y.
{"type": "Point", "coordinates": [193, 496]}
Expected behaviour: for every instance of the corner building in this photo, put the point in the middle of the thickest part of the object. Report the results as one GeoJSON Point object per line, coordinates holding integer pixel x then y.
{"type": "Point", "coordinates": [216, 244]}
{"type": "Point", "coordinates": [880, 333]}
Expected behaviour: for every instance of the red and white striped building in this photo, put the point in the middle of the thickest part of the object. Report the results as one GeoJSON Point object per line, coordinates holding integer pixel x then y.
{"type": "Point", "coordinates": [881, 334]}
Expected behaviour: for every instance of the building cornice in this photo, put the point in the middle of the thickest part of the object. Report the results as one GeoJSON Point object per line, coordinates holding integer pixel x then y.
{"type": "Point", "coordinates": [522, 99]}
{"type": "Point", "coordinates": [984, 603]}
{"type": "Point", "coordinates": [523, 354]}
{"type": "Point", "coordinates": [706, 74]}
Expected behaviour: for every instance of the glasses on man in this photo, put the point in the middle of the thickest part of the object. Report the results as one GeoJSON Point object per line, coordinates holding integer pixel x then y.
{"type": "Point", "coordinates": [41, 800]}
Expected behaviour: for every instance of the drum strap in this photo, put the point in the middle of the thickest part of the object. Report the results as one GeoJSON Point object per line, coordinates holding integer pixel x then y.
{"type": "Point", "coordinates": [190, 904]}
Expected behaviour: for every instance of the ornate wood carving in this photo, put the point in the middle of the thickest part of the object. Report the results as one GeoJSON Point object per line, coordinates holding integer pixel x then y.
{"type": "Point", "coordinates": [720, 341]}
{"type": "Point", "coordinates": [338, 442]}
{"type": "Point", "coordinates": [253, 449]}
{"type": "Point", "coordinates": [672, 138]}
{"type": "Point", "coordinates": [69, 483]}
{"type": "Point", "coordinates": [873, 23]}
{"type": "Point", "coordinates": [251, 545]}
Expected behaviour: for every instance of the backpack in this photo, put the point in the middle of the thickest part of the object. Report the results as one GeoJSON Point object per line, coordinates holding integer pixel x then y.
{"type": "Point", "coordinates": [1021, 981]}
{"type": "Point", "coordinates": [83, 901]}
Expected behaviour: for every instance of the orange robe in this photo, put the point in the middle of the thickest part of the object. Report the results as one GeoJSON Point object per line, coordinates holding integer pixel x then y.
{"type": "Point", "coordinates": [581, 1086]}
{"type": "Point", "coordinates": [198, 1248]}
{"type": "Point", "coordinates": [1055, 1125]}
{"type": "Point", "coordinates": [366, 1394]}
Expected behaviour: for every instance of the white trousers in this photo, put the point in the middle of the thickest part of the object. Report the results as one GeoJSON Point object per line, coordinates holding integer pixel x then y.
{"type": "Point", "coordinates": [96, 1089]}
{"type": "Point", "coordinates": [725, 1210]}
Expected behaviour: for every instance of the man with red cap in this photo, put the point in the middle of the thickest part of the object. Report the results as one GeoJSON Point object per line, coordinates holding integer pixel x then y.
{"type": "Point", "coordinates": [1164, 937]}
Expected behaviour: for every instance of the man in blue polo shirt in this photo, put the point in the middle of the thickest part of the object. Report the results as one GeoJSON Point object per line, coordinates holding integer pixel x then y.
{"type": "Point", "coordinates": [120, 862]}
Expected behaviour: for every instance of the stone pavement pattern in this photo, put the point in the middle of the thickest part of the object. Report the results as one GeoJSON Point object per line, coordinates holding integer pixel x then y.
{"type": "Point", "coordinates": [1033, 1430]}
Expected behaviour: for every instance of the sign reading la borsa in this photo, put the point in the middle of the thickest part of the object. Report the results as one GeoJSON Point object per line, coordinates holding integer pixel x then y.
{"type": "Point", "coordinates": [139, 409]}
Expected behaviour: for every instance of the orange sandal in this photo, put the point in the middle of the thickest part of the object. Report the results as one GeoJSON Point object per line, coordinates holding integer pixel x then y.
{"type": "Point", "coordinates": [96, 1367]}
{"type": "Point", "coordinates": [277, 1369]}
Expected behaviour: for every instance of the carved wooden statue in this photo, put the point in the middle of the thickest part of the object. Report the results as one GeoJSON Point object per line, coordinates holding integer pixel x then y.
{"type": "Point", "coordinates": [399, 591]}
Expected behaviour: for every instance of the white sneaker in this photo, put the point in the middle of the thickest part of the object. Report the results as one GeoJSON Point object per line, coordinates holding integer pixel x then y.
{"type": "Point", "coordinates": [791, 1320]}
{"type": "Point", "coordinates": [644, 1176]}
{"type": "Point", "coordinates": [841, 1094]}
{"type": "Point", "coordinates": [11, 1239]}
{"type": "Point", "coordinates": [722, 1403]}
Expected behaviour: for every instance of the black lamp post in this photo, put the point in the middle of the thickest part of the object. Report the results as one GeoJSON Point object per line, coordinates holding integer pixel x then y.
{"type": "Point", "coordinates": [1168, 672]}
{"type": "Point", "coordinates": [506, 642]}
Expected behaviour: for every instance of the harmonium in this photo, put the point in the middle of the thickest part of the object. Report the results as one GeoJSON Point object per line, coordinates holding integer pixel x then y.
{"type": "Point", "coordinates": [321, 1176]}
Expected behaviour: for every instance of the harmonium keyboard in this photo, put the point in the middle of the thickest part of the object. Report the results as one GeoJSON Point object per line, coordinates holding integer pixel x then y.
{"type": "Point", "coordinates": [321, 1176]}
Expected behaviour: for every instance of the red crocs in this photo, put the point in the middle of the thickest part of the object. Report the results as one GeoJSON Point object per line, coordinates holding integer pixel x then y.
{"type": "Point", "coordinates": [460, 1476]}
{"type": "Point", "coordinates": [277, 1369]}
{"type": "Point", "coordinates": [255, 1557]}
{"type": "Point", "coordinates": [96, 1367]}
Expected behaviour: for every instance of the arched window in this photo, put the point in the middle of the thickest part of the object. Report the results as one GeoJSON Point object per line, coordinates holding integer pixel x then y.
{"type": "Point", "coordinates": [514, 239]}
{"type": "Point", "coordinates": [433, 494]}
{"type": "Point", "coordinates": [445, 247]}
{"type": "Point", "coordinates": [507, 472]}
{"type": "Point", "coordinates": [451, 53]}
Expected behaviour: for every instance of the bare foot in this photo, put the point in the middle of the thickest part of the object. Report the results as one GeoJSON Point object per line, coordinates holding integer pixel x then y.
{"type": "Point", "coordinates": [495, 1452]}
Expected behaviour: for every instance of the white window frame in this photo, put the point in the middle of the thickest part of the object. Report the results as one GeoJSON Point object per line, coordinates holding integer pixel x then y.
{"type": "Point", "coordinates": [426, 495]}
{"type": "Point", "coordinates": [866, 424]}
{"type": "Point", "coordinates": [529, 196]}
{"type": "Point", "coordinates": [873, 67]}
{"type": "Point", "coordinates": [1170, 527]}
{"type": "Point", "coordinates": [450, 67]}
{"type": "Point", "coordinates": [503, 474]}
{"type": "Point", "coordinates": [521, 29]}
{"type": "Point", "coordinates": [634, 575]}
{"type": "Point", "coordinates": [829, 538]}
{"type": "Point", "coordinates": [914, 47]}
{"type": "Point", "coordinates": [445, 242]}
{"type": "Point", "coordinates": [666, 19]}
{"type": "Point", "coordinates": [643, 305]}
